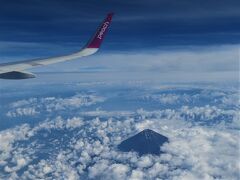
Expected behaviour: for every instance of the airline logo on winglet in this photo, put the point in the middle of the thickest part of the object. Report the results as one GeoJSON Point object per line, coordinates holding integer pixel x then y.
{"type": "Point", "coordinates": [105, 25]}
{"type": "Point", "coordinates": [98, 37]}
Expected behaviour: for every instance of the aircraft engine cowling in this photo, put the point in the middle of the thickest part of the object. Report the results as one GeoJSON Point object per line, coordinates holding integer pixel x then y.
{"type": "Point", "coordinates": [16, 75]}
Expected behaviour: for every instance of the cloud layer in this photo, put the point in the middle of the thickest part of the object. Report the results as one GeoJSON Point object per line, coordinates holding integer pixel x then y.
{"type": "Point", "coordinates": [201, 124]}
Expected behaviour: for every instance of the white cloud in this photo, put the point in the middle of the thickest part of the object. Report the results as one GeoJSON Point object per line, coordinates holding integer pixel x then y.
{"type": "Point", "coordinates": [179, 64]}
{"type": "Point", "coordinates": [137, 175]}
{"type": "Point", "coordinates": [75, 147]}
{"type": "Point", "coordinates": [195, 152]}
{"type": "Point", "coordinates": [116, 171]}
{"type": "Point", "coordinates": [35, 106]}
{"type": "Point", "coordinates": [22, 112]}
{"type": "Point", "coordinates": [163, 98]}
{"type": "Point", "coordinates": [24, 102]}
{"type": "Point", "coordinates": [20, 162]}
{"type": "Point", "coordinates": [9, 137]}
{"type": "Point", "coordinates": [144, 162]}
{"type": "Point", "coordinates": [70, 102]}
{"type": "Point", "coordinates": [74, 123]}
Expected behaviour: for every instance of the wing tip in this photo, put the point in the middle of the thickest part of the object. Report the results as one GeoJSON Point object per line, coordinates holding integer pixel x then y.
{"type": "Point", "coordinates": [97, 39]}
{"type": "Point", "coordinates": [110, 14]}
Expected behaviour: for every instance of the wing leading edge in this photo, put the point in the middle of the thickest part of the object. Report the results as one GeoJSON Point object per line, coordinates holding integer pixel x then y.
{"type": "Point", "coordinates": [15, 70]}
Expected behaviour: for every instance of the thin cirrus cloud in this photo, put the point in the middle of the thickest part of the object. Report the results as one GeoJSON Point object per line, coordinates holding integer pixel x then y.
{"type": "Point", "coordinates": [214, 62]}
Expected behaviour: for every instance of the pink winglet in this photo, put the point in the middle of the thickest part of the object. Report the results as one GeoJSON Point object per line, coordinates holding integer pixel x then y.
{"type": "Point", "coordinates": [97, 39]}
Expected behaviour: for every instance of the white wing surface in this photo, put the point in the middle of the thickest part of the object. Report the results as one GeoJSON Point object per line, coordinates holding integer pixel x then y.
{"type": "Point", "coordinates": [15, 70]}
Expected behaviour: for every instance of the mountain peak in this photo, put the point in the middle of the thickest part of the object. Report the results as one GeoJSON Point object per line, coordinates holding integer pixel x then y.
{"type": "Point", "coordinates": [148, 133]}
{"type": "Point", "coordinates": [145, 142]}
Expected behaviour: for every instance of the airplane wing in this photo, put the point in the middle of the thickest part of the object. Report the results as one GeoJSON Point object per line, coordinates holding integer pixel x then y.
{"type": "Point", "coordinates": [15, 70]}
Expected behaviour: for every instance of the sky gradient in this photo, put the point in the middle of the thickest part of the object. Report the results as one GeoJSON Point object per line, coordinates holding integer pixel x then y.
{"type": "Point", "coordinates": [157, 35]}
{"type": "Point", "coordinates": [137, 24]}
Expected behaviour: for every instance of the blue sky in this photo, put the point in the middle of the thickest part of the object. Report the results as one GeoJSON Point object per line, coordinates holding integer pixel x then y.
{"type": "Point", "coordinates": [178, 35]}
{"type": "Point", "coordinates": [137, 25]}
